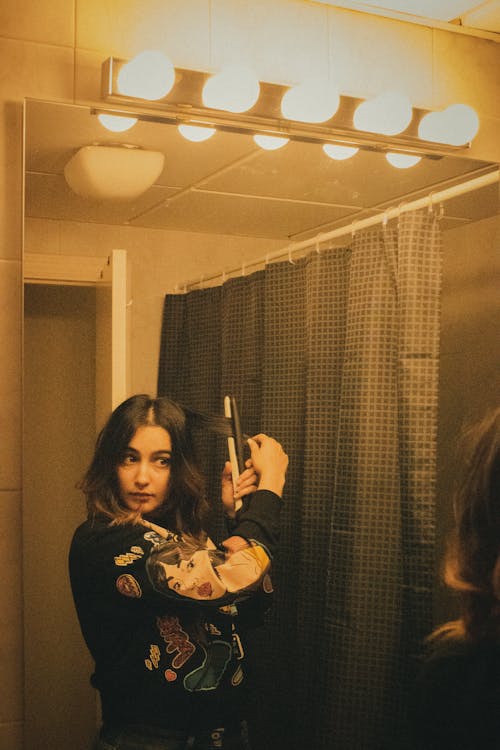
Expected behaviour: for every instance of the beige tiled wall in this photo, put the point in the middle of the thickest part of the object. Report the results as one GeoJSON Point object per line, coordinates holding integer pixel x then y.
{"type": "Point", "coordinates": [53, 49]}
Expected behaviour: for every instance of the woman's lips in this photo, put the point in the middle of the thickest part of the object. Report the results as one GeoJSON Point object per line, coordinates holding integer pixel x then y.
{"type": "Point", "coordinates": [205, 589]}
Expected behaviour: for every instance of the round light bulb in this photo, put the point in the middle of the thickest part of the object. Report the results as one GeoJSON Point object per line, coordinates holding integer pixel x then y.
{"type": "Point", "coordinates": [235, 89]}
{"type": "Point", "coordinates": [150, 75]}
{"type": "Point", "coordinates": [455, 125]}
{"type": "Point", "coordinates": [196, 133]}
{"type": "Point", "coordinates": [389, 113]}
{"type": "Point", "coordinates": [311, 101]}
{"type": "Point", "coordinates": [339, 152]}
{"type": "Point", "coordinates": [402, 161]}
{"type": "Point", "coordinates": [117, 123]}
{"type": "Point", "coordinates": [270, 142]}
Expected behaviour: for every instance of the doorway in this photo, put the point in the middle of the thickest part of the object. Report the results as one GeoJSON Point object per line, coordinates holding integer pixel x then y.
{"type": "Point", "coordinates": [59, 434]}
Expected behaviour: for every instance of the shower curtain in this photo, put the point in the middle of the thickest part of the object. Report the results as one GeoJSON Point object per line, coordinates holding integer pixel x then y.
{"type": "Point", "coordinates": [335, 355]}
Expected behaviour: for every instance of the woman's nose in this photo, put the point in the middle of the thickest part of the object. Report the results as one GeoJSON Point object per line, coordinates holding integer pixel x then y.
{"type": "Point", "coordinates": [142, 475]}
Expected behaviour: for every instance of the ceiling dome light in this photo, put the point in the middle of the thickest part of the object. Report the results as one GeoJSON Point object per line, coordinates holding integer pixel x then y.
{"type": "Point", "coordinates": [270, 142]}
{"type": "Point", "coordinates": [195, 133]}
{"type": "Point", "coordinates": [235, 89]}
{"type": "Point", "coordinates": [113, 173]}
{"type": "Point", "coordinates": [339, 152]}
{"type": "Point", "coordinates": [314, 100]}
{"type": "Point", "coordinates": [389, 113]}
{"type": "Point", "coordinates": [402, 161]}
{"type": "Point", "coordinates": [455, 125]}
{"type": "Point", "coordinates": [117, 123]}
{"type": "Point", "coordinates": [150, 75]}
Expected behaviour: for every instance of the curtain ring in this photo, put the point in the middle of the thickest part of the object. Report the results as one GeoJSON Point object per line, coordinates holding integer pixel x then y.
{"type": "Point", "coordinates": [431, 203]}
{"type": "Point", "coordinates": [224, 276]}
{"type": "Point", "coordinates": [242, 269]}
{"type": "Point", "coordinates": [441, 210]}
{"type": "Point", "coordinates": [385, 219]}
{"type": "Point", "coordinates": [202, 278]}
{"type": "Point", "coordinates": [353, 229]}
{"type": "Point", "coordinates": [266, 262]}
{"type": "Point", "coordinates": [290, 255]}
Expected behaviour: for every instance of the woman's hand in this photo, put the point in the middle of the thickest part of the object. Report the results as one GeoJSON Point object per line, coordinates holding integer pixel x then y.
{"type": "Point", "coordinates": [270, 462]}
{"type": "Point", "coordinates": [246, 484]}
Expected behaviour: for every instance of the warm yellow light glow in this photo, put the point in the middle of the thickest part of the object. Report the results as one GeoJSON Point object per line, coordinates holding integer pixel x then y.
{"type": "Point", "coordinates": [117, 123]}
{"type": "Point", "coordinates": [389, 113]}
{"type": "Point", "coordinates": [455, 125]}
{"type": "Point", "coordinates": [314, 100]}
{"type": "Point", "coordinates": [402, 161]}
{"type": "Point", "coordinates": [270, 142]}
{"type": "Point", "coordinates": [196, 133]}
{"type": "Point", "coordinates": [235, 89]}
{"type": "Point", "coordinates": [150, 75]}
{"type": "Point", "coordinates": [339, 152]}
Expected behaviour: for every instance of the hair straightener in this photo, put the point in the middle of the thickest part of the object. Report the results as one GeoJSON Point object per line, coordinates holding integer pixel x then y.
{"type": "Point", "coordinates": [234, 442]}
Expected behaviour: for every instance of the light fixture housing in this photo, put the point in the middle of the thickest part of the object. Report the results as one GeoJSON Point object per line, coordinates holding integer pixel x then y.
{"type": "Point", "coordinates": [113, 173]}
{"type": "Point", "coordinates": [270, 142]}
{"type": "Point", "coordinates": [195, 133]}
{"type": "Point", "coordinates": [455, 125]}
{"type": "Point", "coordinates": [339, 153]}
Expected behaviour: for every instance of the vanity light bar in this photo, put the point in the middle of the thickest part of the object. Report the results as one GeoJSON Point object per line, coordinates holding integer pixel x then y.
{"type": "Point", "coordinates": [184, 105]}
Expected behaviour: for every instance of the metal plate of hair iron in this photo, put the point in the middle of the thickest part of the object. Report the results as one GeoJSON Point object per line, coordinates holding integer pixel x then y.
{"type": "Point", "coordinates": [235, 440]}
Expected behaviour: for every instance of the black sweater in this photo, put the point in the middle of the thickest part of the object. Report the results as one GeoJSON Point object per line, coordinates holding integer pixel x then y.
{"type": "Point", "coordinates": [161, 656]}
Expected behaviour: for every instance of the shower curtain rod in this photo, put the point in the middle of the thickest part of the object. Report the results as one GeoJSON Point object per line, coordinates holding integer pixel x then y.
{"type": "Point", "coordinates": [391, 213]}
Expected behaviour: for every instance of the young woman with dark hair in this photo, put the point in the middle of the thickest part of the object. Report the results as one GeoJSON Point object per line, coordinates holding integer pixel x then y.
{"type": "Point", "coordinates": [161, 607]}
{"type": "Point", "coordinates": [457, 698]}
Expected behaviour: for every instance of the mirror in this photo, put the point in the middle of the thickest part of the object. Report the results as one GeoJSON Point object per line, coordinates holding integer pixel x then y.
{"type": "Point", "coordinates": [216, 205]}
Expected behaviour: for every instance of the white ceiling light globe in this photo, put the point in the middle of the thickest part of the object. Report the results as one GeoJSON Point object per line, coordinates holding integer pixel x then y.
{"type": "Point", "coordinates": [235, 89]}
{"type": "Point", "coordinates": [270, 142]}
{"type": "Point", "coordinates": [455, 125]}
{"type": "Point", "coordinates": [117, 123]}
{"type": "Point", "coordinates": [388, 114]}
{"type": "Point", "coordinates": [402, 161]}
{"type": "Point", "coordinates": [150, 75]}
{"type": "Point", "coordinates": [339, 153]}
{"type": "Point", "coordinates": [314, 100]}
{"type": "Point", "coordinates": [195, 133]}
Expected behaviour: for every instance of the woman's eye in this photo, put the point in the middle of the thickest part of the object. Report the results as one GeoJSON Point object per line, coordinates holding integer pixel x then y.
{"type": "Point", "coordinates": [164, 462]}
{"type": "Point", "coordinates": [128, 458]}
{"type": "Point", "coordinates": [190, 565]}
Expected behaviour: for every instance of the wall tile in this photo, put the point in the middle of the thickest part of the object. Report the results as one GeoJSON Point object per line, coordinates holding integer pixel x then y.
{"type": "Point", "coordinates": [126, 27]}
{"type": "Point", "coordinates": [283, 41]}
{"type": "Point", "coordinates": [43, 72]}
{"type": "Point", "coordinates": [10, 382]}
{"type": "Point", "coordinates": [51, 22]}
{"type": "Point", "coordinates": [370, 54]}
{"type": "Point", "coordinates": [11, 641]}
{"type": "Point", "coordinates": [466, 71]}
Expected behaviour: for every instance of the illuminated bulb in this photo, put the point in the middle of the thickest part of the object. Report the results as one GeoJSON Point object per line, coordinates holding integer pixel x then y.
{"type": "Point", "coordinates": [270, 142]}
{"type": "Point", "coordinates": [455, 125]}
{"type": "Point", "coordinates": [402, 161]}
{"type": "Point", "coordinates": [310, 101]}
{"type": "Point", "coordinates": [196, 133]}
{"type": "Point", "coordinates": [235, 89]}
{"type": "Point", "coordinates": [339, 152]}
{"type": "Point", "coordinates": [150, 75]}
{"type": "Point", "coordinates": [388, 114]}
{"type": "Point", "coordinates": [117, 123]}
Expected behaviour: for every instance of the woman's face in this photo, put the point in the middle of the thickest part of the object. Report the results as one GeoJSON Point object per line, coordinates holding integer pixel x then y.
{"type": "Point", "coordinates": [195, 578]}
{"type": "Point", "coordinates": [144, 471]}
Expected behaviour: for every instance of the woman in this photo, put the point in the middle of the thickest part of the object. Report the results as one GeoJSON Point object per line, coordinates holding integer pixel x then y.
{"type": "Point", "coordinates": [160, 606]}
{"type": "Point", "coordinates": [457, 700]}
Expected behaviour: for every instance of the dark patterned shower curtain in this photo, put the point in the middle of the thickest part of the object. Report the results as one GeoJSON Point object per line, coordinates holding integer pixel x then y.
{"type": "Point", "coordinates": [336, 355]}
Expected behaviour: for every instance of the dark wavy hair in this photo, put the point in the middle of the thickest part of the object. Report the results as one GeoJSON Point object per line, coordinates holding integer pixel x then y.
{"type": "Point", "coordinates": [186, 506]}
{"type": "Point", "coordinates": [472, 564]}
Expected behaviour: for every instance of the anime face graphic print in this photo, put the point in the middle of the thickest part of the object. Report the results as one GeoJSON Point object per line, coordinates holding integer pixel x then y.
{"type": "Point", "coordinates": [202, 573]}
